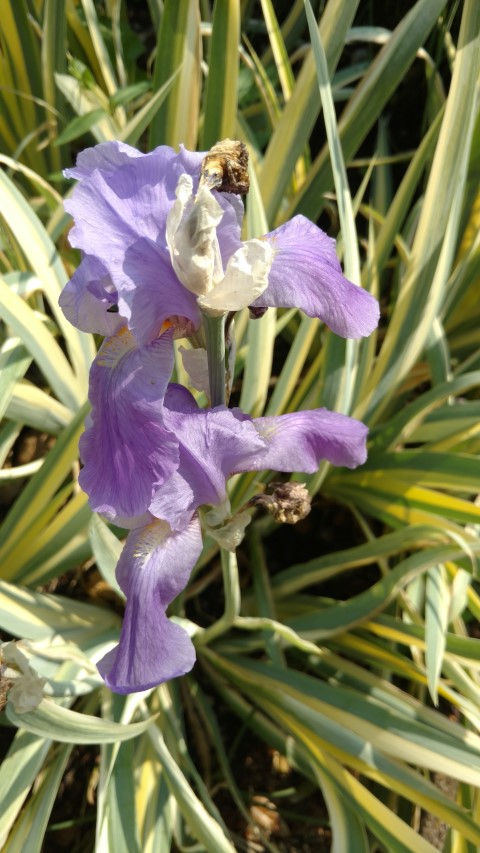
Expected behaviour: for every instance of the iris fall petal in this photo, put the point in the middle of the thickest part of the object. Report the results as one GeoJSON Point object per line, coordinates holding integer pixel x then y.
{"type": "Point", "coordinates": [153, 569]}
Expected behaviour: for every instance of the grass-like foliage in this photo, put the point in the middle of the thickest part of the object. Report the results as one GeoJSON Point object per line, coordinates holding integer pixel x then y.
{"type": "Point", "coordinates": [353, 652]}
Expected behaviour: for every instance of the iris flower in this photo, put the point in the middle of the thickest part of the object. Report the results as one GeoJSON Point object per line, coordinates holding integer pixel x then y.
{"type": "Point", "coordinates": [158, 252]}
{"type": "Point", "coordinates": [155, 246]}
{"type": "Point", "coordinates": [212, 444]}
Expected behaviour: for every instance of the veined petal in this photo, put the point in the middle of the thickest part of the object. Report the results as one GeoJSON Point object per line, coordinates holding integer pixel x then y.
{"type": "Point", "coordinates": [127, 451]}
{"type": "Point", "coordinates": [213, 444]}
{"type": "Point", "coordinates": [147, 181]}
{"type": "Point", "coordinates": [301, 440]}
{"type": "Point", "coordinates": [88, 298]}
{"type": "Point", "coordinates": [130, 203]}
{"type": "Point", "coordinates": [153, 569]}
{"type": "Point", "coordinates": [246, 277]}
{"type": "Point", "coordinates": [162, 166]}
{"type": "Point", "coordinates": [111, 228]}
{"type": "Point", "coordinates": [107, 157]}
{"type": "Point", "coordinates": [306, 274]}
{"type": "Point", "coordinates": [150, 292]}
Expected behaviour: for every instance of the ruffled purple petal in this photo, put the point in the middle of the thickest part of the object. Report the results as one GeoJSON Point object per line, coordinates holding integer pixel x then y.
{"type": "Point", "coordinates": [216, 443]}
{"type": "Point", "coordinates": [127, 451]}
{"type": "Point", "coordinates": [89, 300]}
{"type": "Point", "coordinates": [213, 444]}
{"type": "Point", "coordinates": [148, 180]}
{"type": "Point", "coordinates": [150, 292]}
{"type": "Point", "coordinates": [107, 157]}
{"type": "Point", "coordinates": [153, 569]}
{"type": "Point", "coordinates": [301, 440]}
{"type": "Point", "coordinates": [107, 227]}
{"type": "Point", "coordinates": [306, 274]}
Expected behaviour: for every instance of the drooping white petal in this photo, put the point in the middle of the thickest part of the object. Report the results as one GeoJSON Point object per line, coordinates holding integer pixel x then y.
{"type": "Point", "coordinates": [245, 279]}
{"type": "Point", "coordinates": [192, 237]}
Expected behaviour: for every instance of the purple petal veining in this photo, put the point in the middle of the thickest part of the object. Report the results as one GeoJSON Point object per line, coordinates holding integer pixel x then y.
{"type": "Point", "coordinates": [153, 569]}
{"type": "Point", "coordinates": [127, 450]}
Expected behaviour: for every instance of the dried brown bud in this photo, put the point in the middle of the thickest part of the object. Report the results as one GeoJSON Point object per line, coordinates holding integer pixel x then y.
{"type": "Point", "coordinates": [288, 503]}
{"type": "Point", "coordinates": [5, 685]}
{"type": "Point", "coordinates": [225, 167]}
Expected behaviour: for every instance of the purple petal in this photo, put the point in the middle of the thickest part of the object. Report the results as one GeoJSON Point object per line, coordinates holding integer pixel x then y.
{"type": "Point", "coordinates": [106, 226]}
{"type": "Point", "coordinates": [153, 569]}
{"type": "Point", "coordinates": [106, 157]}
{"type": "Point", "coordinates": [301, 440]}
{"type": "Point", "coordinates": [127, 451]}
{"type": "Point", "coordinates": [214, 443]}
{"type": "Point", "coordinates": [87, 298]}
{"type": "Point", "coordinates": [135, 175]}
{"type": "Point", "coordinates": [150, 292]}
{"type": "Point", "coordinates": [306, 274]}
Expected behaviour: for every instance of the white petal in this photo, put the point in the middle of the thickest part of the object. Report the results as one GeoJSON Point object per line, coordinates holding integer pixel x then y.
{"type": "Point", "coordinates": [177, 210]}
{"type": "Point", "coordinates": [27, 693]}
{"type": "Point", "coordinates": [192, 237]}
{"type": "Point", "coordinates": [13, 656]}
{"type": "Point", "coordinates": [231, 534]}
{"type": "Point", "coordinates": [245, 279]}
{"type": "Point", "coordinates": [195, 362]}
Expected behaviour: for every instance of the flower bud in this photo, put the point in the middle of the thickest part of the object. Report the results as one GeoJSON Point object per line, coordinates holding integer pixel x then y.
{"type": "Point", "coordinates": [288, 503]}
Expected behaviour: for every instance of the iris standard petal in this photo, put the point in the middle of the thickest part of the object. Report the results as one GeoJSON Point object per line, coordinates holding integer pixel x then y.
{"type": "Point", "coordinates": [149, 180]}
{"type": "Point", "coordinates": [301, 440]}
{"type": "Point", "coordinates": [107, 157]}
{"type": "Point", "coordinates": [127, 451]}
{"type": "Point", "coordinates": [111, 158]}
{"type": "Point", "coordinates": [153, 569]}
{"type": "Point", "coordinates": [148, 289]}
{"type": "Point", "coordinates": [150, 292]}
{"type": "Point", "coordinates": [306, 274]}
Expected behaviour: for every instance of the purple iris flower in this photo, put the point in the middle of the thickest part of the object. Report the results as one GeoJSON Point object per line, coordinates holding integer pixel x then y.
{"type": "Point", "coordinates": [121, 207]}
{"type": "Point", "coordinates": [158, 557]}
{"type": "Point", "coordinates": [157, 250]}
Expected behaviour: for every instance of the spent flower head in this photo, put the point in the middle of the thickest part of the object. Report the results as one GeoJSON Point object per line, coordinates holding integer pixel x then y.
{"type": "Point", "coordinates": [23, 685]}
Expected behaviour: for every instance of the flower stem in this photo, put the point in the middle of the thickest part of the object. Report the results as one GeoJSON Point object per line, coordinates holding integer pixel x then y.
{"type": "Point", "coordinates": [215, 338]}
{"type": "Point", "coordinates": [231, 586]}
